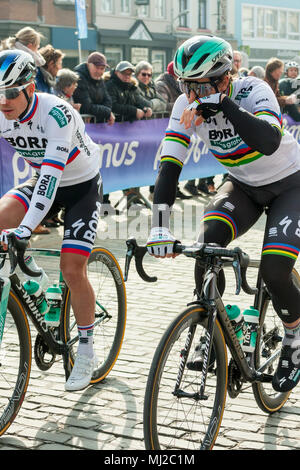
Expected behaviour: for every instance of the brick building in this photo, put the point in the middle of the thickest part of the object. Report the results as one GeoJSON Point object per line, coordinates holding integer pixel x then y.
{"type": "Point", "coordinates": [55, 19]}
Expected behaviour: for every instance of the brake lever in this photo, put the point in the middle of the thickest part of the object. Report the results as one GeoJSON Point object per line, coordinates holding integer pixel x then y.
{"type": "Point", "coordinates": [238, 278]}
{"type": "Point", "coordinates": [12, 256]}
{"type": "Point", "coordinates": [138, 252]}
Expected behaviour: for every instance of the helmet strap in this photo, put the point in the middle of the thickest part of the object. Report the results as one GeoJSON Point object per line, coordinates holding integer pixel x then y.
{"type": "Point", "coordinates": [29, 101]}
{"type": "Point", "coordinates": [214, 84]}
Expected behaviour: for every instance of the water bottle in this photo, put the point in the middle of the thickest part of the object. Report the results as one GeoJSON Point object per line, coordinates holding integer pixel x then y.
{"type": "Point", "coordinates": [251, 317]}
{"type": "Point", "coordinates": [34, 289]}
{"type": "Point", "coordinates": [54, 296]}
{"type": "Point", "coordinates": [237, 320]}
{"type": "Point", "coordinates": [43, 279]}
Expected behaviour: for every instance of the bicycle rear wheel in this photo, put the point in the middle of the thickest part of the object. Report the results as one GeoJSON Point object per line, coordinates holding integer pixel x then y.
{"type": "Point", "coordinates": [267, 353]}
{"type": "Point", "coordinates": [15, 362]}
{"type": "Point", "coordinates": [106, 278]}
{"type": "Point", "coordinates": [178, 419]}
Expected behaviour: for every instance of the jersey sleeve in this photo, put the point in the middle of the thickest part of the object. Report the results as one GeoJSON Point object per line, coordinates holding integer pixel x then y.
{"type": "Point", "coordinates": [60, 124]}
{"type": "Point", "coordinates": [177, 138]}
{"type": "Point", "coordinates": [264, 105]}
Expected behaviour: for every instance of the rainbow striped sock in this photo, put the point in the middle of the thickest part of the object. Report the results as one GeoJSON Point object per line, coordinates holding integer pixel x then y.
{"type": "Point", "coordinates": [85, 345]}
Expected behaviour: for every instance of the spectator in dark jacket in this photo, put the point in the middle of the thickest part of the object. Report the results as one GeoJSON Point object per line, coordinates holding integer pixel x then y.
{"type": "Point", "coordinates": [91, 91]}
{"type": "Point", "coordinates": [147, 88]}
{"type": "Point", "coordinates": [290, 87]}
{"type": "Point", "coordinates": [127, 102]}
{"type": "Point", "coordinates": [167, 86]}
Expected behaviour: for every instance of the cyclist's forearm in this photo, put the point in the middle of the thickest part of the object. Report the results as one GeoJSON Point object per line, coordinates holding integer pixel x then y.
{"type": "Point", "coordinates": [165, 193]}
{"type": "Point", "coordinates": [43, 197]}
{"type": "Point", "coordinates": [257, 133]}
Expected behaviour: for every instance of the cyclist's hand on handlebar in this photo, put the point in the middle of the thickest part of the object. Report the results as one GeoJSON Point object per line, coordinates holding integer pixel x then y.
{"type": "Point", "coordinates": [161, 243]}
{"type": "Point", "coordinates": [21, 233]}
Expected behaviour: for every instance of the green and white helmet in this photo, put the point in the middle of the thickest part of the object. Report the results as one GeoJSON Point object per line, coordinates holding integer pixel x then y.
{"type": "Point", "coordinates": [203, 56]}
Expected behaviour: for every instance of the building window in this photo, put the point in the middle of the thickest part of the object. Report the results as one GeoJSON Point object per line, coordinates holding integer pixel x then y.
{"type": "Point", "coordinates": [293, 25]}
{"type": "Point", "coordinates": [282, 24]}
{"type": "Point", "coordinates": [270, 23]}
{"type": "Point", "coordinates": [64, 2]}
{"type": "Point", "coordinates": [160, 9]}
{"type": "Point", "coordinates": [184, 21]}
{"type": "Point", "coordinates": [158, 62]}
{"type": "Point", "coordinates": [125, 7]}
{"type": "Point", "coordinates": [202, 14]}
{"type": "Point", "coordinates": [107, 6]}
{"type": "Point", "coordinates": [113, 55]}
{"type": "Point", "coordinates": [248, 22]}
{"type": "Point", "coordinates": [143, 11]}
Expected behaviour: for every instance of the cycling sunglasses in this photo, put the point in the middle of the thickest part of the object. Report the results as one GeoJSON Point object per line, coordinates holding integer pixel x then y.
{"type": "Point", "coordinates": [12, 93]}
{"type": "Point", "coordinates": [200, 89]}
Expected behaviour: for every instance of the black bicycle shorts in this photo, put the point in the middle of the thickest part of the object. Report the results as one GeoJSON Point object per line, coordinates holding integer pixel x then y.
{"type": "Point", "coordinates": [81, 204]}
{"type": "Point", "coordinates": [235, 209]}
{"type": "Point", "coordinates": [237, 206]}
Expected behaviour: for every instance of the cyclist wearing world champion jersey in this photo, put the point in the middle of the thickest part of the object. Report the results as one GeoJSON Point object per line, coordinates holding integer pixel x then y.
{"type": "Point", "coordinates": [240, 122]}
{"type": "Point", "coordinates": [51, 137]}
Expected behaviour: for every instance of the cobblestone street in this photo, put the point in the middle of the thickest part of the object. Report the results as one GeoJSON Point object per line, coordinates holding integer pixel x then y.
{"type": "Point", "coordinates": [108, 416]}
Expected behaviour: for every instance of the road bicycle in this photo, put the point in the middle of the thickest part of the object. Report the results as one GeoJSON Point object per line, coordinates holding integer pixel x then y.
{"type": "Point", "coordinates": [16, 306]}
{"type": "Point", "coordinates": [183, 408]}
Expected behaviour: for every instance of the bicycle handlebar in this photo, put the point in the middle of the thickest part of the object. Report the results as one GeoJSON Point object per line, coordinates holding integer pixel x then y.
{"type": "Point", "coordinates": [16, 250]}
{"type": "Point", "coordinates": [239, 260]}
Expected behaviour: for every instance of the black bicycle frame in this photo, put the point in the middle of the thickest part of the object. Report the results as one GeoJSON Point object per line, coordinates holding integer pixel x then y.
{"type": "Point", "coordinates": [213, 303]}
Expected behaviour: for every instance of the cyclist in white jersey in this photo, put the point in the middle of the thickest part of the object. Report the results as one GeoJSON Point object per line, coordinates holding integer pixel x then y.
{"type": "Point", "coordinates": [240, 122]}
{"type": "Point", "coordinates": [51, 137]}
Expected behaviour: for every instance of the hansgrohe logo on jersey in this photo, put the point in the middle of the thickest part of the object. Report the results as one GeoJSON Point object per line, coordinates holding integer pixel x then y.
{"type": "Point", "coordinates": [51, 187]}
{"type": "Point", "coordinates": [59, 117]}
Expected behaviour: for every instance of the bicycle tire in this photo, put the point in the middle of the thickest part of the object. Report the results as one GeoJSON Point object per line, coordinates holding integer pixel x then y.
{"type": "Point", "coordinates": [268, 342]}
{"type": "Point", "coordinates": [15, 351]}
{"type": "Point", "coordinates": [107, 280]}
{"type": "Point", "coordinates": [166, 428]}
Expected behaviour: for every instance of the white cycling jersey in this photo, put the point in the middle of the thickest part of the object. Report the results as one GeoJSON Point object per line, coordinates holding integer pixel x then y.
{"type": "Point", "coordinates": [244, 163]}
{"type": "Point", "coordinates": [52, 139]}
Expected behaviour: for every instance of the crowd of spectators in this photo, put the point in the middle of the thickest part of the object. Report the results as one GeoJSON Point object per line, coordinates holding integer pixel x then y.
{"type": "Point", "coordinates": [102, 94]}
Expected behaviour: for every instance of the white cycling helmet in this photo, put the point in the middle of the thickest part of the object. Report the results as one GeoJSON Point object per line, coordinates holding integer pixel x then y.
{"type": "Point", "coordinates": [291, 64]}
{"type": "Point", "coordinates": [16, 68]}
{"type": "Point", "coordinates": [203, 56]}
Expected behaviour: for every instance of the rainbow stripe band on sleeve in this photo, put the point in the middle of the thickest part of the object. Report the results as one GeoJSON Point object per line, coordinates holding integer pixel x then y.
{"type": "Point", "coordinates": [281, 249]}
{"type": "Point", "coordinates": [222, 217]}
{"type": "Point", "coordinates": [269, 112]}
{"type": "Point", "coordinates": [170, 159]}
{"type": "Point", "coordinates": [177, 137]}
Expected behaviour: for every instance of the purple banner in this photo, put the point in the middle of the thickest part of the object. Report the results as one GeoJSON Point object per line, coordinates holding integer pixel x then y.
{"type": "Point", "coordinates": [129, 155]}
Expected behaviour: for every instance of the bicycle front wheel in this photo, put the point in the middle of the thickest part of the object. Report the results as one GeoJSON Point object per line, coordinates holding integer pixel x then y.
{"type": "Point", "coordinates": [106, 278]}
{"type": "Point", "coordinates": [174, 416]}
{"type": "Point", "coordinates": [15, 362]}
{"type": "Point", "coordinates": [268, 347]}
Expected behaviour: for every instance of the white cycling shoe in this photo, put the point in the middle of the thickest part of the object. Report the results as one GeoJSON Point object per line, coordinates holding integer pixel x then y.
{"type": "Point", "coordinates": [81, 374]}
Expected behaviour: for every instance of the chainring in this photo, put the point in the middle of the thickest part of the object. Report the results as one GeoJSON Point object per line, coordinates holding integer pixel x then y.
{"type": "Point", "coordinates": [234, 380]}
{"type": "Point", "coordinates": [44, 358]}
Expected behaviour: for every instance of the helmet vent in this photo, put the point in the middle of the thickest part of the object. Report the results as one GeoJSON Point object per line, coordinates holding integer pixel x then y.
{"type": "Point", "coordinates": [200, 61]}
{"type": "Point", "coordinates": [8, 70]}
